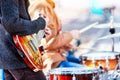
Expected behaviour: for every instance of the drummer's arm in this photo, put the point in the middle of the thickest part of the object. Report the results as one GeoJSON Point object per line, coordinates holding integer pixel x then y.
{"type": "Point", "coordinates": [60, 40]}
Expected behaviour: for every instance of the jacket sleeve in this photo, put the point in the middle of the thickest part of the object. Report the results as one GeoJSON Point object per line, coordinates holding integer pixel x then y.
{"type": "Point", "coordinates": [60, 40]}
{"type": "Point", "coordinates": [16, 25]}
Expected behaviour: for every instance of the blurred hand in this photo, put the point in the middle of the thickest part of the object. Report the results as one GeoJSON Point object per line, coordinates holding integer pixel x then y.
{"type": "Point", "coordinates": [75, 33]}
{"type": "Point", "coordinates": [44, 16]}
{"type": "Point", "coordinates": [48, 33]}
{"type": "Point", "coordinates": [65, 48]}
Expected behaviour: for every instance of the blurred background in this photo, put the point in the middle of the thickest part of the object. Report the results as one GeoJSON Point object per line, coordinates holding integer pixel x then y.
{"type": "Point", "coordinates": [79, 14]}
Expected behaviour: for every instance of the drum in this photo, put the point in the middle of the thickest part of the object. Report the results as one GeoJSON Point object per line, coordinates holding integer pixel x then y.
{"type": "Point", "coordinates": [73, 74]}
{"type": "Point", "coordinates": [110, 75]}
{"type": "Point", "coordinates": [106, 60]}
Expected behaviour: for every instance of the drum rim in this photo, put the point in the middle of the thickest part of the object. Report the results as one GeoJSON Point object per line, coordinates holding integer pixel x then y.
{"type": "Point", "coordinates": [107, 55]}
{"type": "Point", "coordinates": [70, 71]}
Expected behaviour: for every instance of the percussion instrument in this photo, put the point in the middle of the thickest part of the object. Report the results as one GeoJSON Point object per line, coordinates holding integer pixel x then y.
{"type": "Point", "coordinates": [111, 75]}
{"type": "Point", "coordinates": [73, 74]}
{"type": "Point", "coordinates": [110, 36]}
{"type": "Point", "coordinates": [106, 60]}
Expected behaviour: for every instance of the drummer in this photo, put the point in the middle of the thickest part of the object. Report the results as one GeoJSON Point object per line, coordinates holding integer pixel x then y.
{"type": "Point", "coordinates": [54, 55]}
{"type": "Point", "coordinates": [57, 42]}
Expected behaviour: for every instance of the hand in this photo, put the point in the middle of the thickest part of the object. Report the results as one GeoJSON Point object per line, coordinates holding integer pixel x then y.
{"type": "Point", "coordinates": [75, 33]}
{"type": "Point", "coordinates": [65, 48]}
{"type": "Point", "coordinates": [44, 16]}
{"type": "Point", "coordinates": [48, 33]}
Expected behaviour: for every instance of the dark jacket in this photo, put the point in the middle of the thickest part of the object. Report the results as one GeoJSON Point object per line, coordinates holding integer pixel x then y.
{"type": "Point", "coordinates": [15, 20]}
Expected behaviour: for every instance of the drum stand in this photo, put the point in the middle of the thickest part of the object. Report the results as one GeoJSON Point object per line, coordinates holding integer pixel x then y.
{"type": "Point", "coordinates": [112, 31]}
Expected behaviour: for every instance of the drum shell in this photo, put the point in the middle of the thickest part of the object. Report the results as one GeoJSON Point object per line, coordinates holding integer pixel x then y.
{"type": "Point", "coordinates": [66, 75]}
